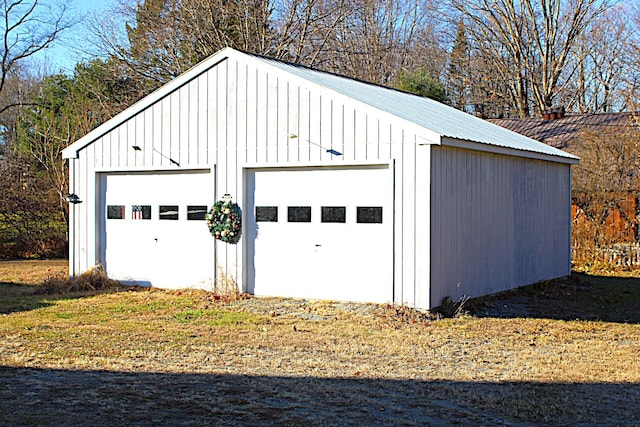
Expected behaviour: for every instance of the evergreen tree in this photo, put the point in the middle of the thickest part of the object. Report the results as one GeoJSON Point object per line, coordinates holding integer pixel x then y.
{"type": "Point", "coordinates": [459, 78]}
{"type": "Point", "coordinates": [421, 82]}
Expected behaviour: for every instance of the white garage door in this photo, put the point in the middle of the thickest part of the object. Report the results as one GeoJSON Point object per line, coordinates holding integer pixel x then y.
{"type": "Point", "coordinates": [322, 233]}
{"type": "Point", "coordinates": [154, 228]}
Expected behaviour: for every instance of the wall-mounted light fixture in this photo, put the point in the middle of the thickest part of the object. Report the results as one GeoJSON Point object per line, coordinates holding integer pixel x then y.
{"type": "Point", "coordinates": [72, 198]}
{"type": "Point", "coordinates": [328, 150]}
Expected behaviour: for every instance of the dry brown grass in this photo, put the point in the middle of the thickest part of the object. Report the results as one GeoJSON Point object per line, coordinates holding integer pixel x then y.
{"type": "Point", "coordinates": [93, 280]}
{"type": "Point", "coordinates": [31, 272]}
{"type": "Point", "coordinates": [220, 355]}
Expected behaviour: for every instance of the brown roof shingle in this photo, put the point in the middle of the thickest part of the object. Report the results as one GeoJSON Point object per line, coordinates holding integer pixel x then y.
{"type": "Point", "coordinates": [560, 132]}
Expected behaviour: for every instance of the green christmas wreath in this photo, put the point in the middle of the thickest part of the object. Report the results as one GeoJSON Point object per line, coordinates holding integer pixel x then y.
{"type": "Point", "coordinates": [224, 220]}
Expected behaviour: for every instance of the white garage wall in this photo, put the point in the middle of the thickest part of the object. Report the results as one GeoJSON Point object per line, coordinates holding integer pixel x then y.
{"type": "Point", "coordinates": [83, 253]}
{"type": "Point", "coordinates": [497, 222]}
{"type": "Point", "coordinates": [242, 113]}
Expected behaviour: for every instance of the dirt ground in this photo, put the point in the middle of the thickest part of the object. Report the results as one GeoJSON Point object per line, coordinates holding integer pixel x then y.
{"type": "Point", "coordinates": [169, 358]}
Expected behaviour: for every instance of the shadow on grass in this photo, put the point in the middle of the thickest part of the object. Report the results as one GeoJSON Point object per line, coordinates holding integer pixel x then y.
{"type": "Point", "coordinates": [62, 397]}
{"type": "Point", "coordinates": [580, 296]}
{"type": "Point", "coordinates": [16, 297]}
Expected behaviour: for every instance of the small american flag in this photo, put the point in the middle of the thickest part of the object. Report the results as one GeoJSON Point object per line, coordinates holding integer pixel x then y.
{"type": "Point", "coordinates": [136, 212]}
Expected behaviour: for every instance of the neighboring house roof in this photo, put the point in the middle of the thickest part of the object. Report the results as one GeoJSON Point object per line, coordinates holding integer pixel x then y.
{"type": "Point", "coordinates": [561, 132]}
{"type": "Point", "coordinates": [435, 118]}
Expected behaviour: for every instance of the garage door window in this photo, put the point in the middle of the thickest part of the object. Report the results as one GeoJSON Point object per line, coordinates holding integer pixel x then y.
{"type": "Point", "coordinates": [334, 214]}
{"type": "Point", "coordinates": [369, 215]}
{"type": "Point", "coordinates": [140, 212]}
{"type": "Point", "coordinates": [266, 213]}
{"type": "Point", "coordinates": [299, 213]}
{"type": "Point", "coordinates": [169, 212]}
{"type": "Point", "coordinates": [115, 212]}
{"type": "Point", "coordinates": [196, 213]}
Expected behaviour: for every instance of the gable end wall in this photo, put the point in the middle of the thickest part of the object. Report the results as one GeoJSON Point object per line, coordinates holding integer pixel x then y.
{"type": "Point", "coordinates": [238, 115]}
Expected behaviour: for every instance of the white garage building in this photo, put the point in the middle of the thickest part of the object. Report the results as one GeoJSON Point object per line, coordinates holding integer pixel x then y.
{"type": "Point", "coordinates": [348, 191]}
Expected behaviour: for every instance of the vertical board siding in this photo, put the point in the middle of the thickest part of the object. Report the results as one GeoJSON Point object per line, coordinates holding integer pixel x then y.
{"type": "Point", "coordinates": [203, 125]}
{"type": "Point", "coordinates": [87, 242]}
{"type": "Point", "coordinates": [497, 222]}
{"type": "Point", "coordinates": [168, 112]}
{"type": "Point", "coordinates": [407, 206]}
{"type": "Point", "coordinates": [236, 115]}
{"type": "Point", "coordinates": [422, 224]}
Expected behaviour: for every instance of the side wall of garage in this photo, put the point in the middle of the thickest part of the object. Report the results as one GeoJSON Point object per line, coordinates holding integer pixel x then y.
{"type": "Point", "coordinates": [497, 222]}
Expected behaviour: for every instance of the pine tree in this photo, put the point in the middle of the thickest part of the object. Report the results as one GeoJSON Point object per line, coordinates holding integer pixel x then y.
{"type": "Point", "coordinates": [459, 78]}
{"type": "Point", "coordinates": [423, 83]}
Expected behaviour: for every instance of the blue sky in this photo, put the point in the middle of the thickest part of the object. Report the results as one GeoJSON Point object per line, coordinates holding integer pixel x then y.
{"type": "Point", "coordinates": [67, 51]}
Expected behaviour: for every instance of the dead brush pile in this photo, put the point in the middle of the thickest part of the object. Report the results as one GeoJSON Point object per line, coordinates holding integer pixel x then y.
{"type": "Point", "coordinates": [93, 280]}
{"type": "Point", "coordinates": [401, 314]}
{"type": "Point", "coordinates": [226, 289]}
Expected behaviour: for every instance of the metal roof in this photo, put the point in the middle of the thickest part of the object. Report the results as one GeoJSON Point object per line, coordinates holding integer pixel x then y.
{"type": "Point", "coordinates": [432, 116]}
{"type": "Point", "coordinates": [427, 113]}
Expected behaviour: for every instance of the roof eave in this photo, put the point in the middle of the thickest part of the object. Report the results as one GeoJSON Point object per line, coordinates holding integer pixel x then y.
{"type": "Point", "coordinates": [565, 158]}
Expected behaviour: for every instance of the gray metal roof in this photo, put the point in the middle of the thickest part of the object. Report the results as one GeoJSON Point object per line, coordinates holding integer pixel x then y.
{"type": "Point", "coordinates": [435, 116]}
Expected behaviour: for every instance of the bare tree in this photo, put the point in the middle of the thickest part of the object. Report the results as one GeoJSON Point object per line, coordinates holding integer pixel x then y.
{"type": "Point", "coordinates": [632, 74]}
{"type": "Point", "coordinates": [153, 41]}
{"type": "Point", "coordinates": [605, 187]}
{"type": "Point", "coordinates": [210, 25]}
{"type": "Point", "coordinates": [368, 39]}
{"type": "Point", "coordinates": [29, 223]}
{"type": "Point", "coordinates": [528, 43]}
{"type": "Point", "coordinates": [303, 29]}
{"type": "Point", "coordinates": [601, 71]}
{"type": "Point", "coordinates": [28, 27]}
{"type": "Point", "coordinates": [375, 39]}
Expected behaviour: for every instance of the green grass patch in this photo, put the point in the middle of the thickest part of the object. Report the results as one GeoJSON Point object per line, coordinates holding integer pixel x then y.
{"type": "Point", "coordinates": [131, 306]}
{"type": "Point", "coordinates": [217, 317]}
{"type": "Point", "coordinates": [189, 315]}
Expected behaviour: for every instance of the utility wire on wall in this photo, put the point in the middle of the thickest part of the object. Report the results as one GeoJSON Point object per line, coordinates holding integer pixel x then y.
{"type": "Point", "coordinates": [137, 148]}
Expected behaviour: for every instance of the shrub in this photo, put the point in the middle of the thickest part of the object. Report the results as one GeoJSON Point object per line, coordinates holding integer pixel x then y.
{"type": "Point", "coordinates": [93, 280]}
{"type": "Point", "coordinates": [226, 287]}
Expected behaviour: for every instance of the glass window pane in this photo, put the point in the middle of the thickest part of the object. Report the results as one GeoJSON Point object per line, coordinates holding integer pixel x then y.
{"type": "Point", "coordinates": [140, 212]}
{"type": "Point", "coordinates": [196, 212]}
{"type": "Point", "coordinates": [266, 213]}
{"type": "Point", "coordinates": [115, 212]}
{"type": "Point", "coordinates": [169, 212]}
{"type": "Point", "coordinates": [369, 215]}
{"type": "Point", "coordinates": [334, 214]}
{"type": "Point", "coordinates": [299, 213]}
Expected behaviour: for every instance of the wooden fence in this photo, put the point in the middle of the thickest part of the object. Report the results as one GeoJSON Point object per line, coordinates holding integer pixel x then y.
{"type": "Point", "coordinates": [618, 255]}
